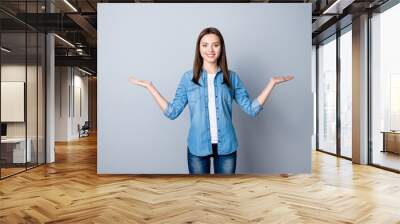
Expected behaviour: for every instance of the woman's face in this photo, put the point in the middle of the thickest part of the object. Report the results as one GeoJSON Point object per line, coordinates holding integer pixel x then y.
{"type": "Point", "coordinates": [210, 48]}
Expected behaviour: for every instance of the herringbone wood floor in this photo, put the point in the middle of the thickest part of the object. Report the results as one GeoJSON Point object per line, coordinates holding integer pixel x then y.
{"type": "Point", "coordinates": [70, 191]}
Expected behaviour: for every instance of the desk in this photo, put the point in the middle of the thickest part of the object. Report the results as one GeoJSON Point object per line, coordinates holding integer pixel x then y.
{"type": "Point", "coordinates": [391, 141]}
{"type": "Point", "coordinates": [16, 147]}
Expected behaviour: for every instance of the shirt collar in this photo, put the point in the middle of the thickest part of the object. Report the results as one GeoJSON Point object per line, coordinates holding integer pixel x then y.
{"type": "Point", "coordinates": [218, 70]}
{"type": "Point", "coordinates": [204, 75]}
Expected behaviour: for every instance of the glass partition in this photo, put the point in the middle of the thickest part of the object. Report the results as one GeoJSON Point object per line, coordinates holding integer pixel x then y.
{"type": "Point", "coordinates": [327, 95]}
{"type": "Point", "coordinates": [385, 89]}
{"type": "Point", "coordinates": [13, 110]}
{"type": "Point", "coordinates": [22, 77]}
{"type": "Point", "coordinates": [32, 95]}
{"type": "Point", "coordinates": [346, 93]}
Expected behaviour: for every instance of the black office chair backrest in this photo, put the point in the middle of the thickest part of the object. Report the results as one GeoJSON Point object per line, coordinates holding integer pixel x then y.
{"type": "Point", "coordinates": [85, 125]}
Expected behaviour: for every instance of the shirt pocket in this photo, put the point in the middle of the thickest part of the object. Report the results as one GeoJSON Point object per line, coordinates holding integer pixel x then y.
{"type": "Point", "coordinates": [226, 93]}
{"type": "Point", "coordinates": [193, 94]}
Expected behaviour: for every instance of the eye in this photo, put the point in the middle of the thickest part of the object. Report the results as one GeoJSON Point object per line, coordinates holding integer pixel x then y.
{"type": "Point", "coordinates": [204, 45]}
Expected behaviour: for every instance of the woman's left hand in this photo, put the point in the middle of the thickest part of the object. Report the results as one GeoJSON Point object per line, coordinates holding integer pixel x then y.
{"type": "Point", "coordinates": [280, 79]}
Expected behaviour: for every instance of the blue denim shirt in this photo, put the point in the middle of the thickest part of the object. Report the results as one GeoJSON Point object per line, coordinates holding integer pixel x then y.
{"type": "Point", "coordinates": [199, 138]}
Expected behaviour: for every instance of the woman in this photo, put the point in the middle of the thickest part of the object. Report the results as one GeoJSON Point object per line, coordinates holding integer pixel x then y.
{"type": "Point", "coordinates": [209, 90]}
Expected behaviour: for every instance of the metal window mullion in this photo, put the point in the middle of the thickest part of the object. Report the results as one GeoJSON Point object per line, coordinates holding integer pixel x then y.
{"type": "Point", "coordinates": [45, 94]}
{"type": "Point", "coordinates": [369, 90]}
{"type": "Point", "coordinates": [338, 92]}
{"type": "Point", "coordinates": [73, 91]}
{"type": "Point", "coordinates": [317, 96]}
{"type": "Point", "coordinates": [26, 89]}
{"type": "Point", "coordinates": [37, 91]}
{"type": "Point", "coordinates": [0, 94]}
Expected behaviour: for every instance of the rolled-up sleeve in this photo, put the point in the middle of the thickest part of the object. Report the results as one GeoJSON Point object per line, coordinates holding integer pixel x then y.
{"type": "Point", "coordinates": [175, 108]}
{"type": "Point", "coordinates": [242, 98]}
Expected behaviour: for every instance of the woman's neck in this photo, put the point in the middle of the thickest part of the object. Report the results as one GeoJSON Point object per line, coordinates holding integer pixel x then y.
{"type": "Point", "coordinates": [211, 68]}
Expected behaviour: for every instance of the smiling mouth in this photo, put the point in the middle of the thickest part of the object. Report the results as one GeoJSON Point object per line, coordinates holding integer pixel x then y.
{"type": "Point", "coordinates": [210, 55]}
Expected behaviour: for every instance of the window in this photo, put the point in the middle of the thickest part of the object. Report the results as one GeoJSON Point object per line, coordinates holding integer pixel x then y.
{"type": "Point", "coordinates": [346, 74]}
{"type": "Point", "coordinates": [327, 95]}
{"type": "Point", "coordinates": [385, 88]}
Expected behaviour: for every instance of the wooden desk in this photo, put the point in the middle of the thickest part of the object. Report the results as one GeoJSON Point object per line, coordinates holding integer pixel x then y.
{"type": "Point", "coordinates": [391, 141]}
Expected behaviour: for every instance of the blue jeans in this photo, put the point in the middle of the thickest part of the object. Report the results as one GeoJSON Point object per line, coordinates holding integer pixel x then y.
{"type": "Point", "coordinates": [223, 164]}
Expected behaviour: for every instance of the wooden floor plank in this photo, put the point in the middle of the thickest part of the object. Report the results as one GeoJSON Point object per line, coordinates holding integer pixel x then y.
{"type": "Point", "coordinates": [70, 191]}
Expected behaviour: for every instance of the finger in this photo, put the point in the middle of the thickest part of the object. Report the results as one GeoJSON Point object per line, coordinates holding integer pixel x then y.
{"type": "Point", "coordinates": [289, 77]}
{"type": "Point", "coordinates": [141, 82]}
{"type": "Point", "coordinates": [134, 81]}
{"type": "Point", "coordinates": [131, 79]}
{"type": "Point", "coordinates": [138, 82]}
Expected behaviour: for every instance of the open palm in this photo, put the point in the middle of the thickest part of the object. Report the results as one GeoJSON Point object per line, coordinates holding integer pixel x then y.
{"type": "Point", "coordinates": [144, 83]}
{"type": "Point", "coordinates": [281, 79]}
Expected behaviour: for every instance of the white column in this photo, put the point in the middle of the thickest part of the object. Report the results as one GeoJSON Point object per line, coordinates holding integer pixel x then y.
{"type": "Point", "coordinates": [50, 91]}
{"type": "Point", "coordinates": [360, 90]}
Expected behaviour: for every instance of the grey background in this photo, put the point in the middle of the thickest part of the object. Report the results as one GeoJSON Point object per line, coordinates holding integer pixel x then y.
{"type": "Point", "coordinates": [157, 42]}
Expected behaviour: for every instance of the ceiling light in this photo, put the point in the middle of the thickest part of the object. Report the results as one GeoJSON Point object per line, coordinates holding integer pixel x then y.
{"type": "Point", "coordinates": [329, 9]}
{"type": "Point", "coordinates": [338, 6]}
{"type": "Point", "coordinates": [5, 50]}
{"type": "Point", "coordinates": [65, 41]}
{"type": "Point", "coordinates": [84, 71]}
{"type": "Point", "coordinates": [70, 5]}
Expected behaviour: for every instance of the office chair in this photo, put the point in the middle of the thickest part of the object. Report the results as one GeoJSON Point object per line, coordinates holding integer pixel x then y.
{"type": "Point", "coordinates": [84, 130]}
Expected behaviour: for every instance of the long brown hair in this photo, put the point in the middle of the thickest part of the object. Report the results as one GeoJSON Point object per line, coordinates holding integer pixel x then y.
{"type": "Point", "coordinates": [221, 61]}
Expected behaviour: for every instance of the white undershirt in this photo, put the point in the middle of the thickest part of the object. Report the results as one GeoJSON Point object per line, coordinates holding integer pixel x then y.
{"type": "Point", "coordinates": [211, 108]}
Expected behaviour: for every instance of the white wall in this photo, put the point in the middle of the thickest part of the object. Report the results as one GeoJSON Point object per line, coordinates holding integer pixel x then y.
{"type": "Point", "coordinates": [69, 84]}
{"type": "Point", "coordinates": [133, 134]}
{"type": "Point", "coordinates": [15, 72]}
{"type": "Point", "coordinates": [61, 103]}
{"type": "Point", "coordinates": [79, 117]}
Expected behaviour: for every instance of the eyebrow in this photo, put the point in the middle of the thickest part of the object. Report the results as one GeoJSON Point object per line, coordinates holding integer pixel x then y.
{"type": "Point", "coordinates": [212, 42]}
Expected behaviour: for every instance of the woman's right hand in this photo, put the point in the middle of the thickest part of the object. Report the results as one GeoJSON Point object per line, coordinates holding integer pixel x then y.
{"type": "Point", "coordinates": [143, 83]}
{"type": "Point", "coordinates": [280, 79]}
{"type": "Point", "coordinates": [161, 101]}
